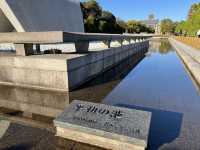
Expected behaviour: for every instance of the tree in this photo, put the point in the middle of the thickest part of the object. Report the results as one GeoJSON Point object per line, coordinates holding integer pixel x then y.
{"type": "Point", "coordinates": [91, 7]}
{"type": "Point", "coordinates": [108, 16]}
{"type": "Point", "coordinates": [137, 27]}
{"type": "Point", "coordinates": [192, 24]}
{"type": "Point", "coordinates": [122, 24]}
{"type": "Point", "coordinates": [167, 26]}
{"type": "Point", "coordinates": [194, 21]}
{"type": "Point", "coordinates": [181, 28]}
{"type": "Point", "coordinates": [108, 23]}
{"type": "Point", "coordinates": [91, 24]}
{"type": "Point", "coordinates": [97, 20]}
{"type": "Point", "coordinates": [133, 26]}
{"type": "Point", "coordinates": [193, 9]}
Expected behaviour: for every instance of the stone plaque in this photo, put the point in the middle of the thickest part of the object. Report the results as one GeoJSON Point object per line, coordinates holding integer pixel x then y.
{"type": "Point", "coordinates": [105, 126]}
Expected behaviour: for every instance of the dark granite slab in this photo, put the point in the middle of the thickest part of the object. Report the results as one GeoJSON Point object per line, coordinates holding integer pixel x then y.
{"type": "Point", "coordinates": [110, 122]}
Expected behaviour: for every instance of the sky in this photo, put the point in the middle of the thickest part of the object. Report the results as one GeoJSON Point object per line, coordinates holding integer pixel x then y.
{"type": "Point", "coordinates": [140, 9]}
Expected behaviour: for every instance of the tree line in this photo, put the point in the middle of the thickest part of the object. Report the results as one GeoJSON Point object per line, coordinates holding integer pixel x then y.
{"type": "Point", "coordinates": [188, 27]}
{"type": "Point", "coordinates": [97, 20]}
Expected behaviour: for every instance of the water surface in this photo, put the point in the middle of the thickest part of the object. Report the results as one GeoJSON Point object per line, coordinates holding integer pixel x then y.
{"type": "Point", "coordinates": [160, 84]}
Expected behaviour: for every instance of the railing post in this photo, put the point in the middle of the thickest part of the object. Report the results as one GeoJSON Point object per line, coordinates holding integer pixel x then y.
{"type": "Point", "coordinates": [82, 47]}
{"type": "Point", "coordinates": [121, 42]}
{"type": "Point", "coordinates": [24, 49]}
{"type": "Point", "coordinates": [108, 43]}
{"type": "Point", "coordinates": [129, 40]}
{"type": "Point", "coordinates": [38, 48]}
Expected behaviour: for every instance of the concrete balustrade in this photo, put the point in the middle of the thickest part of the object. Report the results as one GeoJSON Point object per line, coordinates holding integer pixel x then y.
{"type": "Point", "coordinates": [24, 40]}
{"type": "Point", "coordinates": [63, 72]}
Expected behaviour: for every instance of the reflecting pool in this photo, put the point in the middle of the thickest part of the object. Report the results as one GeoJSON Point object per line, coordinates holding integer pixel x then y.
{"type": "Point", "coordinates": [161, 84]}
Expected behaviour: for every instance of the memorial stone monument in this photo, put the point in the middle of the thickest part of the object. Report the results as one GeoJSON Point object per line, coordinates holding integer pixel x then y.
{"type": "Point", "coordinates": [105, 126]}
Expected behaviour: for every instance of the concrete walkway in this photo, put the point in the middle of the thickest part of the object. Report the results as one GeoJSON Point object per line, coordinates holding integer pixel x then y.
{"type": "Point", "coordinates": [190, 57]}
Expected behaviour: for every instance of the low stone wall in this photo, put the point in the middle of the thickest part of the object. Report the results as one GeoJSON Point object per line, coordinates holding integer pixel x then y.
{"type": "Point", "coordinates": [34, 71]}
{"type": "Point", "coordinates": [83, 68]}
{"type": "Point", "coordinates": [62, 72]}
{"type": "Point", "coordinates": [190, 57]}
{"type": "Point", "coordinates": [56, 73]}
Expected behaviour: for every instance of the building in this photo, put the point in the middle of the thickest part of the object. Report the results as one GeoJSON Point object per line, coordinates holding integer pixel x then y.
{"type": "Point", "coordinates": [152, 23]}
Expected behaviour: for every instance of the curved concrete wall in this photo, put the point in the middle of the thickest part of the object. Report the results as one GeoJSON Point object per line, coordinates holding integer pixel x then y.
{"type": "Point", "coordinates": [5, 25]}
{"type": "Point", "coordinates": [44, 15]}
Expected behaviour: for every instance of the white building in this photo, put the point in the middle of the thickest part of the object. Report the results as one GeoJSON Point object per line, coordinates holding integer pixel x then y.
{"type": "Point", "coordinates": [152, 23]}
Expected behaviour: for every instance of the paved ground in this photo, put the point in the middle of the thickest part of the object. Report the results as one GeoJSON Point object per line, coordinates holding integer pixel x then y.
{"type": "Point", "coordinates": [23, 137]}
{"type": "Point", "coordinates": [190, 56]}
{"type": "Point", "coordinates": [36, 133]}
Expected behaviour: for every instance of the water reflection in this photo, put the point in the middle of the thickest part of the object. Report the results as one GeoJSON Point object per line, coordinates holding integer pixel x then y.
{"type": "Point", "coordinates": [15, 99]}
{"type": "Point", "coordinates": [161, 46]}
{"type": "Point", "coordinates": [98, 88]}
{"type": "Point", "coordinates": [160, 84]}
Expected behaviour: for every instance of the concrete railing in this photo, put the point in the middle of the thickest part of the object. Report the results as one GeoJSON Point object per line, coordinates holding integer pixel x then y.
{"type": "Point", "coordinates": [24, 41]}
